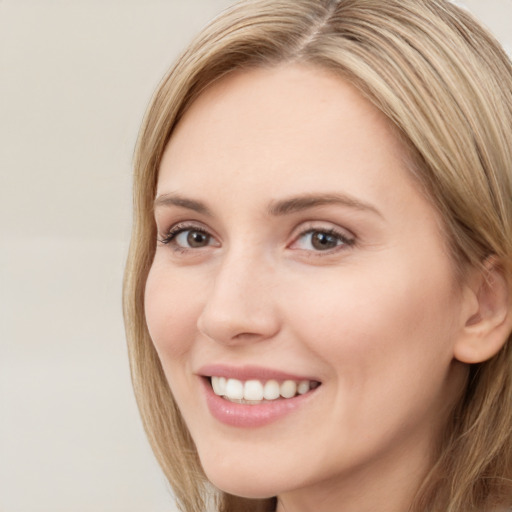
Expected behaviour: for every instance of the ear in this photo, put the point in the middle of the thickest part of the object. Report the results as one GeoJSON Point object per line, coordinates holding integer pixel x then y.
{"type": "Point", "coordinates": [487, 320]}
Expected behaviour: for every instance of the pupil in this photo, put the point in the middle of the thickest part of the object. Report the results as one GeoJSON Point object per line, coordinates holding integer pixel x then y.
{"type": "Point", "coordinates": [197, 239]}
{"type": "Point", "coordinates": [323, 241]}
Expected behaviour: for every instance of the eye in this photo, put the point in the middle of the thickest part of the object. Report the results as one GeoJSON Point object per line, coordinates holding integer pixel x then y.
{"type": "Point", "coordinates": [188, 237]}
{"type": "Point", "coordinates": [321, 240]}
{"type": "Point", "coordinates": [192, 238]}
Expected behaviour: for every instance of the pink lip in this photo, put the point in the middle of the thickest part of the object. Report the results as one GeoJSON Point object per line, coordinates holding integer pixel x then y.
{"type": "Point", "coordinates": [245, 415]}
{"type": "Point", "coordinates": [249, 372]}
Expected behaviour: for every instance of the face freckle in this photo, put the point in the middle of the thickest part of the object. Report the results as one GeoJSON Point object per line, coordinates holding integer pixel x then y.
{"type": "Point", "coordinates": [324, 261]}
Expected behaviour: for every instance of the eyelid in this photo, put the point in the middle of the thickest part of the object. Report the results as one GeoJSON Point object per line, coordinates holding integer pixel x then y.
{"type": "Point", "coordinates": [347, 238]}
{"type": "Point", "coordinates": [175, 229]}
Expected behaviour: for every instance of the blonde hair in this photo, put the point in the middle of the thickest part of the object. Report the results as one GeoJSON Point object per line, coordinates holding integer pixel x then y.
{"type": "Point", "coordinates": [446, 86]}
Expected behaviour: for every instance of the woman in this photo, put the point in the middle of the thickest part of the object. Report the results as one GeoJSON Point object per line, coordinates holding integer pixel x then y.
{"type": "Point", "coordinates": [317, 295]}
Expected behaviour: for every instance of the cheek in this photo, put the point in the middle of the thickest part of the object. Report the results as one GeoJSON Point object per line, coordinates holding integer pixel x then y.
{"type": "Point", "coordinates": [171, 313]}
{"type": "Point", "coordinates": [385, 346]}
{"type": "Point", "coordinates": [371, 322]}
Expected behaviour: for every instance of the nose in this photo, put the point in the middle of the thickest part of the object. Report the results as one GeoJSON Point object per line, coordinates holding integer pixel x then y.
{"type": "Point", "coordinates": [241, 303]}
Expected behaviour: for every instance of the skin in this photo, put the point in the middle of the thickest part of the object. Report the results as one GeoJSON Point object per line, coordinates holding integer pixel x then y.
{"type": "Point", "coordinates": [374, 318]}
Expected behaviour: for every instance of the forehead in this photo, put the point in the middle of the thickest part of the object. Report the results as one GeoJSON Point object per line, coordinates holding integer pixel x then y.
{"type": "Point", "coordinates": [262, 136]}
{"type": "Point", "coordinates": [287, 119]}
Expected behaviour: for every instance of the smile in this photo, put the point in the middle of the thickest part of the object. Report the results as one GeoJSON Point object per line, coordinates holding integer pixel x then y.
{"type": "Point", "coordinates": [254, 392]}
{"type": "Point", "coordinates": [255, 396]}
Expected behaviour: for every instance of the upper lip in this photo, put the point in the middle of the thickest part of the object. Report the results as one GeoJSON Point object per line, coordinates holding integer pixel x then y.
{"type": "Point", "coordinates": [249, 372]}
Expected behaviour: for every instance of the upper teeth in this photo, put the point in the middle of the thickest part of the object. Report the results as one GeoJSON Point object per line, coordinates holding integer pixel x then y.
{"type": "Point", "coordinates": [256, 390]}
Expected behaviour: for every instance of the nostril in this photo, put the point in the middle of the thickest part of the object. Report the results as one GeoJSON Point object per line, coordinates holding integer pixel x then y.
{"type": "Point", "coordinates": [231, 327]}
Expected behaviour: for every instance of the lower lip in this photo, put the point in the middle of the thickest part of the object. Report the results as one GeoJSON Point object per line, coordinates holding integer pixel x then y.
{"type": "Point", "coordinates": [249, 416]}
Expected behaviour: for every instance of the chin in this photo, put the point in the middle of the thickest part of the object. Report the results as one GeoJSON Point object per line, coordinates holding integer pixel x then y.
{"type": "Point", "coordinates": [246, 482]}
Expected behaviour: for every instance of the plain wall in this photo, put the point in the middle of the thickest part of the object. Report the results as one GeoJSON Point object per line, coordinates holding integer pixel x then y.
{"type": "Point", "coordinates": [75, 78]}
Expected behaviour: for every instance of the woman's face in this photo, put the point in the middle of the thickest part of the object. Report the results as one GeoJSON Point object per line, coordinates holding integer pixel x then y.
{"type": "Point", "coordinates": [296, 257]}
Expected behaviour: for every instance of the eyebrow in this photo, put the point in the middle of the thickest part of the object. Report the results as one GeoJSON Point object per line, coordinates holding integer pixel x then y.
{"type": "Point", "coordinates": [306, 201]}
{"type": "Point", "coordinates": [182, 202]}
{"type": "Point", "coordinates": [277, 208]}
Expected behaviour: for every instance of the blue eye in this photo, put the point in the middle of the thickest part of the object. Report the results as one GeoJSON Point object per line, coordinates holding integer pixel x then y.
{"type": "Point", "coordinates": [321, 240]}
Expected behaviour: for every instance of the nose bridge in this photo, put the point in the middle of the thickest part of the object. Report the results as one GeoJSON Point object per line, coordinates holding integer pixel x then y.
{"type": "Point", "coordinates": [240, 304]}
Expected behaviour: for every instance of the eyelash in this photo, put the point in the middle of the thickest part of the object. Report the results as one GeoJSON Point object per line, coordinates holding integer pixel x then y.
{"type": "Point", "coordinates": [176, 230]}
{"type": "Point", "coordinates": [344, 240]}
{"type": "Point", "coordinates": [181, 228]}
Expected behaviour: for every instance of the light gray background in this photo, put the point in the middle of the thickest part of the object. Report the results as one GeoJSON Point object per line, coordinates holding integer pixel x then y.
{"type": "Point", "coordinates": [75, 78]}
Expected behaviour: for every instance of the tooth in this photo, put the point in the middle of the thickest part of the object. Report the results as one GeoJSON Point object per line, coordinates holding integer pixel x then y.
{"type": "Point", "coordinates": [271, 390]}
{"type": "Point", "coordinates": [215, 385]}
{"type": "Point", "coordinates": [253, 390]}
{"type": "Point", "coordinates": [234, 389]}
{"type": "Point", "coordinates": [303, 387]}
{"type": "Point", "coordinates": [288, 389]}
{"type": "Point", "coordinates": [222, 386]}
{"type": "Point", "coordinates": [219, 385]}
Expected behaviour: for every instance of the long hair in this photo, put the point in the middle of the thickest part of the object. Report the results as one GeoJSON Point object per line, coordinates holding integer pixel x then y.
{"type": "Point", "coordinates": [445, 84]}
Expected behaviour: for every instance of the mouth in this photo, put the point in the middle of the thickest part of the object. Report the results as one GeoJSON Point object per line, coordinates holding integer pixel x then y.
{"type": "Point", "coordinates": [257, 392]}
{"type": "Point", "coordinates": [255, 396]}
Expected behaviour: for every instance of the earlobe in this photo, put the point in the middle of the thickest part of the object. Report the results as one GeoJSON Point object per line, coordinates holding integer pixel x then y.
{"type": "Point", "coordinates": [488, 321]}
